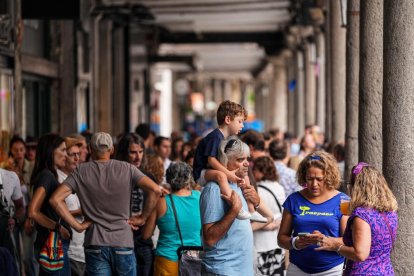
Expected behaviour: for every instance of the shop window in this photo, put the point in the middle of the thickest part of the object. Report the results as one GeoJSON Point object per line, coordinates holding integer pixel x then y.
{"type": "Point", "coordinates": [38, 106]}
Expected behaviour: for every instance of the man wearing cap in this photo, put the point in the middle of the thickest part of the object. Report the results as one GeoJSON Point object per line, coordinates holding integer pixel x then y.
{"type": "Point", "coordinates": [104, 189]}
{"type": "Point", "coordinates": [76, 250]}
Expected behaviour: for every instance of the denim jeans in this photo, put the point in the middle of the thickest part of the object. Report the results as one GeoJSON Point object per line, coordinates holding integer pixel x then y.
{"type": "Point", "coordinates": [106, 260]}
{"type": "Point", "coordinates": [65, 271]}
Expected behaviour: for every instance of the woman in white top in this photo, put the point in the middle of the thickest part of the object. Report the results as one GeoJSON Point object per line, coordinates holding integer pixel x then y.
{"type": "Point", "coordinates": [270, 257]}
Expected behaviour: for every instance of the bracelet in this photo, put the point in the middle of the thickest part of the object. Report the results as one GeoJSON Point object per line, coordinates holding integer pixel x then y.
{"type": "Point", "coordinates": [57, 226]}
{"type": "Point", "coordinates": [292, 241]}
{"type": "Point", "coordinates": [258, 205]}
{"type": "Point", "coordinates": [338, 249]}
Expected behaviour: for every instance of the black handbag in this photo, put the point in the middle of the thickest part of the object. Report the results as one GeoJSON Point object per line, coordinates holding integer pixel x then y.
{"type": "Point", "coordinates": [189, 257]}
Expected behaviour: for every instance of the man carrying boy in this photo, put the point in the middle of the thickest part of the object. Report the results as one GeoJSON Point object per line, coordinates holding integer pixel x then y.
{"type": "Point", "coordinates": [230, 118]}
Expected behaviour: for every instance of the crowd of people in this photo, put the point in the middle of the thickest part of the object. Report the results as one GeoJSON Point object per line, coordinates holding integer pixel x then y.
{"type": "Point", "coordinates": [258, 203]}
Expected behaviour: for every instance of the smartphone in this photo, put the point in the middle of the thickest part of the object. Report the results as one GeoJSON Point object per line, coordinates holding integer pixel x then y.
{"type": "Point", "coordinates": [303, 234]}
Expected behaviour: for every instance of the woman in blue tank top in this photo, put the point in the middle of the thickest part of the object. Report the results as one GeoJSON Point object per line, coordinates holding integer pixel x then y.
{"type": "Point", "coordinates": [312, 214]}
{"type": "Point", "coordinates": [186, 202]}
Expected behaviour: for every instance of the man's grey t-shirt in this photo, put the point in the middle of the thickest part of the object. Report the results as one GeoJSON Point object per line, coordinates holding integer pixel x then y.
{"type": "Point", "coordinates": [104, 189]}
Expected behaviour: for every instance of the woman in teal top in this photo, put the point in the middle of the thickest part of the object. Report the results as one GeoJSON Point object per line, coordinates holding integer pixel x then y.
{"type": "Point", "coordinates": [186, 201]}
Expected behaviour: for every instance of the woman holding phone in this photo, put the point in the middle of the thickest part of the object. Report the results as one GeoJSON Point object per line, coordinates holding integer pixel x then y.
{"type": "Point", "coordinates": [311, 214]}
{"type": "Point", "coordinates": [372, 226]}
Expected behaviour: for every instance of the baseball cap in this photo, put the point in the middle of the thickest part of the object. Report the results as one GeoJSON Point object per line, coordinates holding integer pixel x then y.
{"type": "Point", "coordinates": [101, 141]}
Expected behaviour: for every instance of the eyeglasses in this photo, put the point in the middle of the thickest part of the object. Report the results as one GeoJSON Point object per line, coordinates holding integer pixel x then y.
{"type": "Point", "coordinates": [73, 154]}
{"type": "Point", "coordinates": [229, 145]}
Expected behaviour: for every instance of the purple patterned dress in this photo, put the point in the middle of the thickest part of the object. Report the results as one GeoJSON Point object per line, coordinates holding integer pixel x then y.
{"type": "Point", "coordinates": [383, 233]}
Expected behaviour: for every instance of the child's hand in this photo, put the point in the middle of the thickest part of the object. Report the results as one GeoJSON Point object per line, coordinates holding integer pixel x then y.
{"type": "Point", "coordinates": [232, 177]}
{"type": "Point", "coordinates": [251, 195]}
{"type": "Point", "coordinates": [241, 183]}
{"type": "Point", "coordinates": [233, 201]}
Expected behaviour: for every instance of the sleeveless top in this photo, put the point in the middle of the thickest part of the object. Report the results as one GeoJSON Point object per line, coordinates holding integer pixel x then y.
{"type": "Point", "coordinates": [188, 212]}
{"type": "Point", "coordinates": [383, 233]}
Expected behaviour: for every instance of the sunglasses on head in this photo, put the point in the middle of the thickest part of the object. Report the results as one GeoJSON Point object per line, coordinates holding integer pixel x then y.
{"type": "Point", "coordinates": [229, 145]}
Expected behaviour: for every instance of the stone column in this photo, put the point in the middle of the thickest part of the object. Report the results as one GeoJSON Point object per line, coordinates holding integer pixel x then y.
{"type": "Point", "coordinates": [17, 72]}
{"type": "Point", "coordinates": [280, 94]}
{"type": "Point", "coordinates": [119, 73]}
{"type": "Point", "coordinates": [370, 75]}
{"type": "Point", "coordinates": [257, 99]}
{"type": "Point", "coordinates": [67, 99]}
{"type": "Point", "coordinates": [103, 76]}
{"type": "Point", "coordinates": [217, 93]}
{"type": "Point", "coordinates": [300, 96]}
{"type": "Point", "coordinates": [328, 75]}
{"type": "Point", "coordinates": [291, 113]}
{"type": "Point", "coordinates": [270, 99]}
{"type": "Point", "coordinates": [310, 84]}
{"type": "Point", "coordinates": [228, 90]}
{"type": "Point", "coordinates": [398, 124]}
{"type": "Point", "coordinates": [337, 49]}
{"type": "Point", "coordinates": [95, 85]}
{"type": "Point", "coordinates": [320, 81]}
{"type": "Point", "coordinates": [265, 94]}
{"type": "Point", "coordinates": [352, 86]}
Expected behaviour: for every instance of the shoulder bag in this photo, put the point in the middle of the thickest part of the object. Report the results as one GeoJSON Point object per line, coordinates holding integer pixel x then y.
{"type": "Point", "coordinates": [189, 261]}
{"type": "Point", "coordinates": [51, 257]}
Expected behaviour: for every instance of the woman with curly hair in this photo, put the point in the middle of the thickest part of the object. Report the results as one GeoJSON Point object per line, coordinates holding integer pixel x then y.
{"type": "Point", "coordinates": [186, 202]}
{"type": "Point", "coordinates": [155, 166]}
{"type": "Point", "coordinates": [372, 226]}
{"type": "Point", "coordinates": [270, 257]}
{"type": "Point", "coordinates": [312, 214]}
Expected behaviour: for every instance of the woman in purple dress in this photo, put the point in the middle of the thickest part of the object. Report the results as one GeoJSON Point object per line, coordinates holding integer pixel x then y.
{"type": "Point", "coordinates": [372, 226]}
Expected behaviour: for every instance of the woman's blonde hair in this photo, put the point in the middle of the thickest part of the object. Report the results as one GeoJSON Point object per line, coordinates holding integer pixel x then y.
{"type": "Point", "coordinates": [324, 161]}
{"type": "Point", "coordinates": [370, 189]}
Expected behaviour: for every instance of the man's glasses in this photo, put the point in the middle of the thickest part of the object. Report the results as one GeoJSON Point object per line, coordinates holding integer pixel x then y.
{"type": "Point", "coordinates": [73, 154]}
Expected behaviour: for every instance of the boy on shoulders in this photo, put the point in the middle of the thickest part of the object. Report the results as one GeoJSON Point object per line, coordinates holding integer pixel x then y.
{"type": "Point", "coordinates": [230, 118]}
